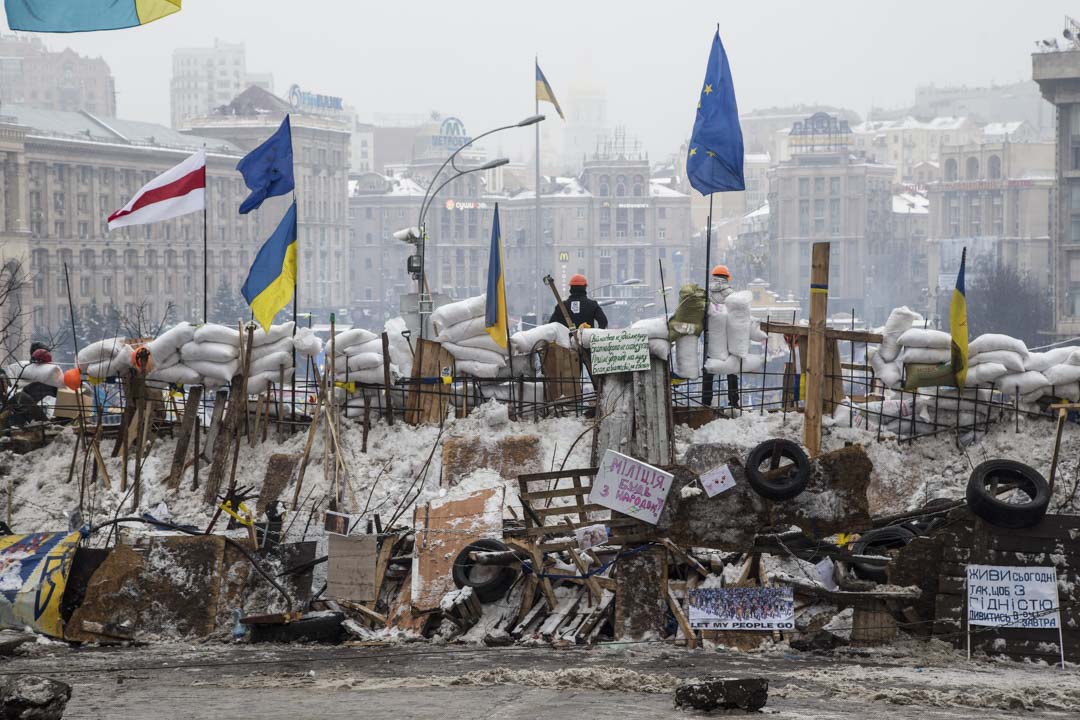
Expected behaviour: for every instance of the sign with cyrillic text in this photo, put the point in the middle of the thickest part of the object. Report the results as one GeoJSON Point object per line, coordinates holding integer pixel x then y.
{"type": "Point", "coordinates": [1020, 597]}
{"type": "Point", "coordinates": [630, 487]}
{"type": "Point", "coordinates": [620, 352]}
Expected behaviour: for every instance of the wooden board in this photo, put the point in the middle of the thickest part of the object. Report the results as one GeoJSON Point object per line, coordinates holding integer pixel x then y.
{"type": "Point", "coordinates": [279, 470]}
{"type": "Point", "coordinates": [562, 374]}
{"type": "Point", "coordinates": [815, 362]}
{"type": "Point", "coordinates": [350, 567]}
{"type": "Point", "coordinates": [427, 403]}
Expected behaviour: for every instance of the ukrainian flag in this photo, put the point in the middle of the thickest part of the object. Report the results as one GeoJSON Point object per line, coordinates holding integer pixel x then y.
{"type": "Point", "coordinates": [64, 16]}
{"type": "Point", "coordinates": [544, 91]}
{"type": "Point", "coordinates": [958, 326]}
{"type": "Point", "coordinates": [271, 281]}
{"type": "Point", "coordinates": [495, 311]}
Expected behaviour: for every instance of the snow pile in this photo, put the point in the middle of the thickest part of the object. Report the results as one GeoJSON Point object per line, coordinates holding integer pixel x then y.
{"type": "Point", "coordinates": [462, 332]}
{"type": "Point", "coordinates": [732, 334]}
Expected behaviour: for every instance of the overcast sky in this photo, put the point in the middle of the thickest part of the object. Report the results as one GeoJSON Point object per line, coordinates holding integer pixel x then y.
{"type": "Point", "coordinates": [473, 58]}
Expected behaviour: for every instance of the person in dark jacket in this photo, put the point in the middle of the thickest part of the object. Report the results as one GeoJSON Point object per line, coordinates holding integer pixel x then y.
{"type": "Point", "coordinates": [584, 311]}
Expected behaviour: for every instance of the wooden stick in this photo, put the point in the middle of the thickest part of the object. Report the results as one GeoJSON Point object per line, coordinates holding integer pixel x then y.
{"type": "Point", "coordinates": [815, 366]}
{"type": "Point", "coordinates": [191, 411]}
{"type": "Point", "coordinates": [307, 446]}
{"type": "Point", "coordinates": [280, 399]}
{"type": "Point", "coordinates": [389, 412]}
{"type": "Point", "coordinates": [243, 398]}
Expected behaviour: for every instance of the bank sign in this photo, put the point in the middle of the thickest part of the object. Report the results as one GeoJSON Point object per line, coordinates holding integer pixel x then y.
{"type": "Point", "coordinates": [304, 100]}
{"type": "Point", "coordinates": [451, 135]}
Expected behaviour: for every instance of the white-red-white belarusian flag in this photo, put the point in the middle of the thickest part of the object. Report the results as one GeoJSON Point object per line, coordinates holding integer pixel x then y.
{"type": "Point", "coordinates": [178, 191]}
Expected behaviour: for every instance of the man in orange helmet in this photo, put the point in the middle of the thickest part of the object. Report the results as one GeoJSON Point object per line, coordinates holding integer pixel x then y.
{"type": "Point", "coordinates": [720, 287]}
{"type": "Point", "coordinates": [584, 311]}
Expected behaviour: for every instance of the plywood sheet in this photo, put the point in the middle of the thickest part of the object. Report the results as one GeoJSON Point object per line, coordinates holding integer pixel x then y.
{"type": "Point", "coordinates": [350, 567]}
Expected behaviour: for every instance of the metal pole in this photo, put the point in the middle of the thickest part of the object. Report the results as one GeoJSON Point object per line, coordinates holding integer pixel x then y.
{"type": "Point", "coordinates": [205, 268]}
{"type": "Point", "coordinates": [539, 224]}
{"type": "Point", "coordinates": [71, 312]}
{"type": "Point", "coordinates": [706, 378]}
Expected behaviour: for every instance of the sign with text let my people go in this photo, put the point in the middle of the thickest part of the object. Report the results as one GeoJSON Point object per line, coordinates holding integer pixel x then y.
{"type": "Point", "coordinates": [620, 352]}
{"type": "Point", "coordinates": [631, 487]}
{"type": "Point", "coordinates": [1016, 597]}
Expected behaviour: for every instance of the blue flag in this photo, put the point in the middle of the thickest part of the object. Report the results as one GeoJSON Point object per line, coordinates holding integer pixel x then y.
{"type": "Point", "coordinates": [268, 169]}
{"type": "Point", "coordinates": [495, 320]}
{"type": "Point", "coordinates": [714, 162]}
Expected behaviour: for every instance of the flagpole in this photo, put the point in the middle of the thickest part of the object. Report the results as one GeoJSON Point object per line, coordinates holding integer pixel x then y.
{"type": "Point", "coordinates": [536, 278]}
{"type": "Point", "coordinates": [706, 378]}
{"type": "Point", "coordinates": [205, 269]}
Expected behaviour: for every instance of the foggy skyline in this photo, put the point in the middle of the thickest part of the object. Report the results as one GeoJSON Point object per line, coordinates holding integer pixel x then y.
{"type": "Point", "coordinates": [474, 60]}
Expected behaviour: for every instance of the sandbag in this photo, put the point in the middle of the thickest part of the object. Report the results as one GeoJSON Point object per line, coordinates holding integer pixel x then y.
{"type": "Point", "coordinates": [167, 361]}
{"type": "Point", "coordinates": [176, 375]}
{"type": "Point", "coordinates": [307, 343]}
{"type": "Point", "coordinates": [1013, 362]}
{"type": "Point", "coordinates": [109, 368]}
{"type": "Point", "coordinates": [271, 363]}
{"type": "Point", "coordinates": [525, 341]}
{"type": "Point", "coordinates": [171, 341]}
{"type": "Point", "coordinates": [728, 366]}
{"type": "Point", "coordinates": [373, 376]}
{"type": "Point", "coordinates": [44, 373]}
{"type": "Point", "coordinates": [1022, 383]}
{"type": "Point", "coordinates": [459, 312]}
{"type": "Point", "coordinates": [660, 348]}
{"type": "Point", "coordinates": [717, 320]}
{"type": "Point", "coordinates": [486, 342]}
{"type": "Point", "coordinates": [756, 333]}
{"type": "Point", "coordinates": [259, 383]}
{"type": "Point", "coordinates": [371, 346]}
{"type": "Point", "coordinates": [738, 322]}
{"type": "Point", "coordinates": [888, 372]}
{"type": "Point", "coordinates": [221, 371]}
{"type": "Point", "coordinates": [275, 334]}
{"type": "Point", "coordinates": [460, 331]}
{"type": "Point", "coordinates": [478, 369]}
{"type": "Point", "coordinates": [985, 373]}
{"type": "Point", "coordinates": [995, 341]}
{"type": "Point", "coordinates": [1063, 374]}
{"type": "Point", "coordinates": [460, 352]}
{"type": "Point", "coordinates": [585, 336]}
{"type": "Point", "coordinates": [211, 333]}
{"type": "Point", "coordinates": [102, 350]}
{"type": "Point", "coordinates": [285, 345]}
{"type": "Point", "coordinates": [656, 327]}
{"type": "Point", "coordinates": [214, 352]}
{"type": "Point", "coordinates": [1040, 361]}
{"type": "Point", "coordinates": [919, 338]}
{"type": "Point", "coordinates": [687, 359]}
{"type": "Point", "coordinates": [345, 340]}
{"type": "Point", "coordinates": [924, 355]}
{"type": "Point", "coordinates": [689, 315]}
{"type": "Point", "coordinates": [900, 320]}
{"type": "Point", "coordinates": [401, 353]}
{"type": "Point", "coordinates": [360, 361]}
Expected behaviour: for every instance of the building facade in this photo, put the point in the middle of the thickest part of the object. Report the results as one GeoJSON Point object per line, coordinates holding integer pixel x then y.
{"type": "Point", "coordinates": [826, 192]}
{"type": "Point", "coordinates": [907, 143]}
{"type": "Point", "coordinates": [321, 169]}
{"type": "Point", "coordinates": [64, 173]}
{"type": "Point", "coordinates": [32, 75]}
{"type": "Point", "coordinates": [209, 77]}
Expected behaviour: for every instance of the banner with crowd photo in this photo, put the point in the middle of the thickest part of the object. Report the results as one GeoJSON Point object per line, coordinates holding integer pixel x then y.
{"type": "Point", "coordinates": [742, 608]}
{"type": "Point", "coordinates": [33, 576]}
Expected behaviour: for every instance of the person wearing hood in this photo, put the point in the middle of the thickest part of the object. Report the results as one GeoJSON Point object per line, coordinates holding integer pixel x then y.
{"type": "Point", "coordinates": [584, 311]}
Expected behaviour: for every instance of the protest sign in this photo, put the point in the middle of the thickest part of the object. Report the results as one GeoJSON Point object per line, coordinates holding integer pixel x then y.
{"type": "Point", "coordinates": [1022, 597]}
{"type": "Point", "coordinates": [591, 536]}
{"type": "Point", "coordinates": [717, 480]}
{"type": "Point", "coordinates": [742, 608]}
{"type": "Point", "coordinates": [631, 487]}
{"type": "Point", "coordinates": [620, 352]}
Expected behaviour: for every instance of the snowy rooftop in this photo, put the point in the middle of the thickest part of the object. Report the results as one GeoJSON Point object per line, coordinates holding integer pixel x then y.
{"type": "Point", "coordinates": [760, 212]}
{"type": "Point", "coordinates": [910, 123]}
{"type": "Point", "coordinates": [757, 158]}
{"type": "Point", "coordinates": [910, 204]}
{"type": "Point", "coordinates": [659, 190]}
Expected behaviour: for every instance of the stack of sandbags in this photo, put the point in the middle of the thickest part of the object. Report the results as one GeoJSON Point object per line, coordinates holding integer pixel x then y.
{"type": "Point", "coordinates": [1002, 360]}
{"type": "Point", "coordinates": [732, 334]}
{"type": "Point", "coordinates": [165, 355]}
{"type": "Point", "coordinates": [214, 353]}
{"type": "Point", "coordinates": [900, 320]}
{"type": "Point", "coordinates": [307, 343]}
{"type": "Point", "coordinates": [32, 372]}
{"type": "Point", "coordinates": [924, 347]}
{"type": "Point", "coordinates": [358, 356]}
{"type": "Point", "coordinates": [657, 330]}
{"type": "Point", "coordinates": [401, 353]}
{"type": "Point", "coordinates": [105, 358]}
{"type": "Point", "coordinates": [462, 333]}
{"type": "Point", "coordinates": [271, 356]}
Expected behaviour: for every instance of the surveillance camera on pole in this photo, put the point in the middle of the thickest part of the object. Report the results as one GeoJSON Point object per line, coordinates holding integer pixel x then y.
{"type": "Point", "coordinates": [409, 235]}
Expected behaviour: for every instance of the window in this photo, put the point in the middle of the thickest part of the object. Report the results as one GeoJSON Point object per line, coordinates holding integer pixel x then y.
{"type": "Point", "coordinates": [661, 234]}
{"type": "Point", "coordinates": [59, 229]}
{"type": "Point", "coordinates": [972, 169]}
{"type": "Point", "coordinates": [367, 263]}
{"type": "Point", "coordinates": [997, 214]}
{"type": "Point", "coordinates": [83, 202]}
{"type": "Point", "coordinates": [804, 217]}
{"type": "Point", "coordinates": [834, 215]}
{"type": "Point", "coordinates": [661, 213]}
{"type": "Point", "coordinates": [58, 201]}
{"type": "Point", "coordinates": [834, 186]}
{"type": "Point", "coordinates": [819, 186]}
{"type": "Point", "coordinates": [129, 285]}
{"type": "Point", "coordinates": [84, 286]}
{"type": "Point", "coordinates": [804, 187]}
{"type": "Point", "coordinates": [993, 167]}
{"type": "Point", "coordinates": [950, 170]}
{"type": "Point", "coordinates": [819, 217]}
{"type": "Point", "coordinates": [86, 259]}
{"type": "Point", "coordinates": [84, 230]}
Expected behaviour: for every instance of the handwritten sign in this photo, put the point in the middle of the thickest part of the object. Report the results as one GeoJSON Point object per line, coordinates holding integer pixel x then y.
{"type": "Point", "coordinates": [630, 487]}
{"type": "Point", "coordinates": [620, 352]}
{"type": "Point", "coordinates": [742, 608]}
{"type": "Point", "coordinates": [1023, 597]}
{"type": "Point", "coordinates": [717, 480]}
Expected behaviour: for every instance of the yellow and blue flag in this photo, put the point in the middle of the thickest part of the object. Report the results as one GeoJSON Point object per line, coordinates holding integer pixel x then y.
{"type": "Point", "coordinates": [544, 91]}
{"type": "Point", "coordinates": [272, 279]}
{"type": "Point", "coordinates": [268, 169]}
{"type": "Point", "coordinates": [714, 162]}
{"type": "Point", "coordinates": [65, 16]}
{"type": "Point", "coordinates": [495, 321]}
{"type": "Point", "coordinates": [958, 326]}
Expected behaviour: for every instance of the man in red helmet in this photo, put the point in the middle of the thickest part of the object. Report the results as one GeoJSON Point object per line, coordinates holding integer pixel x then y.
{"type": "Point", "coordinates": [584, 311]}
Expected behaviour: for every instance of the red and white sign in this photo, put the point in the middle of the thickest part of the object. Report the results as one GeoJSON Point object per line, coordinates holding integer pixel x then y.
{"type": "Point", "coordinates": [178, 191]}
{"type": "Point", "coordinates": [630, 487]}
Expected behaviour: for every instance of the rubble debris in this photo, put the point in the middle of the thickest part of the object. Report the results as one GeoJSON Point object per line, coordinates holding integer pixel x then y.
{"type": "Point", "coordinates": [12, 641]}
{"type": "Point", "coordinates": [32, 697]}
{"type": "Point", "coordinates": [488, 581]}
{"type": "Point", "coordinates": [749, 694]}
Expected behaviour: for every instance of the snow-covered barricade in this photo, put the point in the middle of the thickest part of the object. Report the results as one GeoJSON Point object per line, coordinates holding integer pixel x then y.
{"type": "Point", "coordinates": [733, 334]}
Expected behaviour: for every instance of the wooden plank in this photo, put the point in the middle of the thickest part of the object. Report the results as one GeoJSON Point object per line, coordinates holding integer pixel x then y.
{"type": "Point", "coordinates": [563, 528]}
{"type": "Point", "coordinates": [859, 336]}
{"type": "Point", "coordinates": [350, 567]}
{"type": "Point", "coordinates": [187, 426]}
{"type": "Point", "coordinates": [558, 475]}
{"type": "Point", "coordinates": [819, 304]}
{"type": "Point", "coordinates": [681, 619]}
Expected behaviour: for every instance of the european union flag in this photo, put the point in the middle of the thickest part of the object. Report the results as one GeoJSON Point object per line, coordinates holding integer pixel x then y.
{"type": "Point", "coordinates": [714, 162]}
{"type": "Point", "coordinates": [268, 169]}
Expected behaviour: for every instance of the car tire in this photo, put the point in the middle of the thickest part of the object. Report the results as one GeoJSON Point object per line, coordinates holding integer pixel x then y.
{"type": "Point", "coordinates": [886, 538]}
{"type": "Point", "coordinates": [778, 488]}
{"type": "Point", "coordinates": [489, 582]}
{"type": "Point", "coordinates": [1004, 514]}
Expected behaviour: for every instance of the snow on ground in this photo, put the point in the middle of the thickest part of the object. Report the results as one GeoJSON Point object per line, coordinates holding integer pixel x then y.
{"type": "Point", "coordinates": [391, 478]}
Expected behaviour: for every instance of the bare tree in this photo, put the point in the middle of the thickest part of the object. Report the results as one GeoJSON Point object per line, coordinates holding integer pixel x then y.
{"type": "Point", "coordinates": [13, 280]}
{"type": "Point", "coordinates": [143, 324]}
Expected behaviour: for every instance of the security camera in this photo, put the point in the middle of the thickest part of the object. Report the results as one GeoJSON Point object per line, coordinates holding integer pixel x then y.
{"type": "Point", "coordinates": [408, 235]}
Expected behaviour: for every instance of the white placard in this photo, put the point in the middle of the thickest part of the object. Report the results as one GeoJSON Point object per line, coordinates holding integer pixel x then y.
{"type": "Point", "coordinates": [717, 480]}
{"type": "Point", "coordinates": [626, 351]}
{"type": "Point", "coordinates": [630, 487]}
{"type": "Point", "coordinates": [742, 608]}
{"type": "Point", "coordinates": [591, 536]}
{"type": "Point", "coordinates": [1005, 596]}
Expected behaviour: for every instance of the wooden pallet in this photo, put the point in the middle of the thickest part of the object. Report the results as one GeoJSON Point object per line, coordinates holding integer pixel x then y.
{"type": "Point", "coordinates": [427, 403]}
